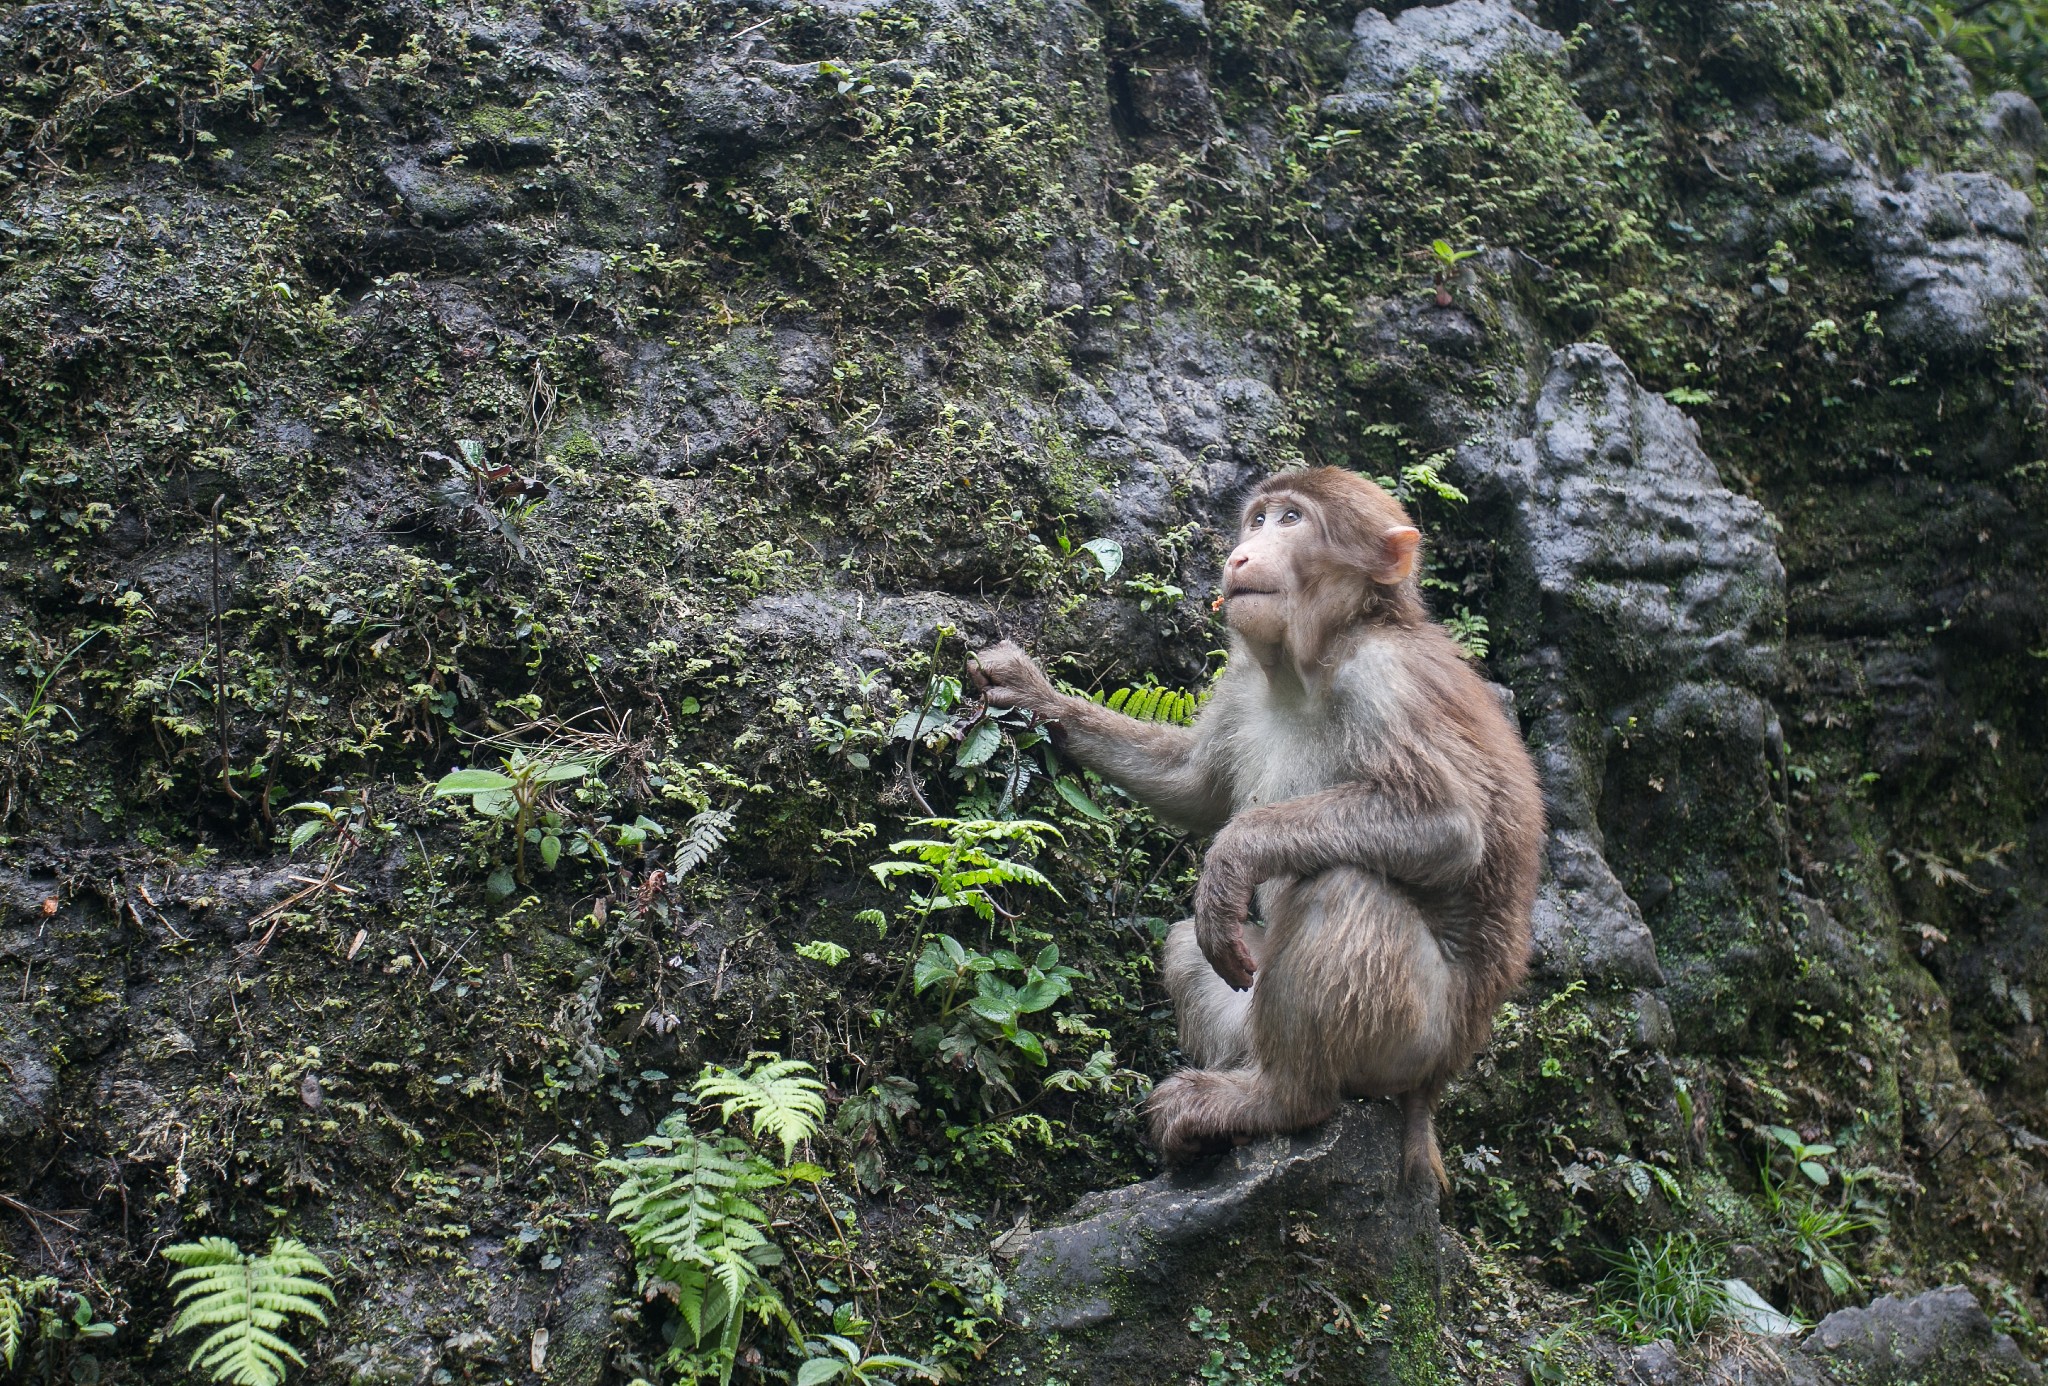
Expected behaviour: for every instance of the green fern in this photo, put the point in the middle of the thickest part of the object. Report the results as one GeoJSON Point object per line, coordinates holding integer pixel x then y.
{"type": "Point", "coordinates": [782, 1098]}
{"type": "Point", "coordinates": [960, 869]}
{"type": "Point", "coordinates": [247, 1299]}
{"type": "Point", "coordinates": [705, 835]}
{"type": "Point", "coordinates": [1153, 703]}
{"type": "Point", "coordinates": [698, 1238]}
{"type": "Point", "coordinates": [18, 1295]}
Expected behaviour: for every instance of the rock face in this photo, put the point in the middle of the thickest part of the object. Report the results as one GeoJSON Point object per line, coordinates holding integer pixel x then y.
{"type": "Point", "coordinates": [400, 387]}
{"type": "Point", "coordinates": [1953, 252]}
{"type": "Point", "coordinates": [1658, 600]}
{"type": "Point", "coordinates": [1940, 1338]}
{"type": "Point", "coordinates": [1110, 1295]}
{"type": "Point", "coordinates": [1443, 48]}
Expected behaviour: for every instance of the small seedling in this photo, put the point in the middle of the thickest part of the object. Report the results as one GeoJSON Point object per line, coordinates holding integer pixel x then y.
{"type": "Point", "coordinates": [1447, 262]}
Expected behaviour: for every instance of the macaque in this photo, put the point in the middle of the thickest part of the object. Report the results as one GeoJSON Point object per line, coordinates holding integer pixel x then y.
{"type": "Point", "coordinates": [1367, 787]}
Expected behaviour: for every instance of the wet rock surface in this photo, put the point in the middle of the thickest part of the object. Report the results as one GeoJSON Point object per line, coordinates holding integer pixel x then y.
{"type": "Point", "coordinates": [1939, 1338]}
{"type": "Point", "coordinates": [1447, 47]}
{"type": "Point", "coordinates": [1659, 598]}
{"type": "Point", "coordinates": [1105, 1295]}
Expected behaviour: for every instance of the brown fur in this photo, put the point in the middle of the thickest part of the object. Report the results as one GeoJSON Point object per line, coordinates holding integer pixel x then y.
{"type": "Point", "coordinates": [1368, 788]}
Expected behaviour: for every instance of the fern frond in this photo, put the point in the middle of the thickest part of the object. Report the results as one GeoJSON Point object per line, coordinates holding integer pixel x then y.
{"type": "Point", "coordinates": [17, 1297]}
{"type": "Point", "coordinates": [697, 1236]}
{"type": "Point", "coordinates": [782, 1098]}
{"type": "Point", "coordinates": [706, 834]}
{"type": "Point", "coordinates": [247, 1300]}
{"type": "Point", "coordinates": [10, 1325]}
{"type": "Point", "coordinates": [1154, 703]}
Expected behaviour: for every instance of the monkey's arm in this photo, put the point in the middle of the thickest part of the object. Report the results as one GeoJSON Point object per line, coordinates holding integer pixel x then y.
{"type": "Point", "coordinates": [1161, 766]}
{"type": "Point", "coordinates": [1433, 842]}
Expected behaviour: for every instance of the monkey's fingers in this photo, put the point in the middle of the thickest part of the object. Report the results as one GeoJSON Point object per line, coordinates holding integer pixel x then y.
{"type": "Point", "coordinates": [1232, 960]}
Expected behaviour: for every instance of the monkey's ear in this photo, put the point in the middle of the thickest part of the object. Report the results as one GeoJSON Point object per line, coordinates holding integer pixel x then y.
{"type": "Point", "coordinates": [1398, 549]}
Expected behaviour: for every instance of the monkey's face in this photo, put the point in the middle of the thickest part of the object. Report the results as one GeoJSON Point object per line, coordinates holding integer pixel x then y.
{"type": "Point", "coordinates": [1262, 576]}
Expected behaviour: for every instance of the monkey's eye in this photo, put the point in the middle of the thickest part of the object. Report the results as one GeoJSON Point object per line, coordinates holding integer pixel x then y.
{"type": "Point", "coordinates": [1256, 520]}
{"type": "Point", "coordinates": [1290, 517]}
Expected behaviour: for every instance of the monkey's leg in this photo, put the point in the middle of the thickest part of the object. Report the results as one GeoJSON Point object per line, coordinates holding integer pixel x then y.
{"type": "Point", "coordinates": [1214, 1019]}
{"type": "Point", "coordinates": [1420, 1155]}
{"type": "Point", "coordinates": [1240, 1094]}
{"type": "Point", "coordinates": [1350, 999]}
{"type": "Point", "coordinates": [1199, 1108]}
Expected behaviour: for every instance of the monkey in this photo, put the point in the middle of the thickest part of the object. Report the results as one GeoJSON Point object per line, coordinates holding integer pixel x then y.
{"type": "Point", "coordinates": [1367, 787]}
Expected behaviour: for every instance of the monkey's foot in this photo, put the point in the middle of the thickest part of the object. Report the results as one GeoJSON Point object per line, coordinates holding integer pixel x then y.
{"type": "Point", "coordinates": [1186, 1115]}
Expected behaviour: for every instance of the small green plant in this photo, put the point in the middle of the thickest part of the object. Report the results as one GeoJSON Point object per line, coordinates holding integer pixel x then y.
{"type": "Point", "coordinates": [20, 1296]}
{"type": "Point", "coordinates": [1814, 1230]}
{"type": "Point", "coordinates": [515, 795]}
{"type": "Point", "coordinates": [871, 1119]}
{"type": "Point", "coordinates": [1230, 1362]}
{"type": "Point", "coordinates": [1445, 267]}
{"type": "Point", "coordinates": [1806, 1159]}
{"type": "Point", "coordinates": [247, 1300]}
{"type": "Point", "coordinates": [834, 1358]}
{"type": "Point", "coordinates": [1670, 1288]}
{"type": "Point", "coordinates": [781, 1098]}
{"type": "Point", "coordinates": [1153, 590]}
{"type": "Point", "coordinates": [1557, 1357]}
{"type": "Point", "coordinates": [686, 1204]}
{"type": "Point", "coordinates": [982, 1031]}
{"type": "Point", "coordinates": [497, 499]}
{"type": "Point", "coordinates": [960, 869]}
{"type": "Point", "coordinates": [28, 728]}
{"type": "Point", "coordinates": [1468, 631]}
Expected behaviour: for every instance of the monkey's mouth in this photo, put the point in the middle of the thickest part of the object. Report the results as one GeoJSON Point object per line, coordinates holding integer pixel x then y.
{"type": "Point", "coordinates": [1248, 592]}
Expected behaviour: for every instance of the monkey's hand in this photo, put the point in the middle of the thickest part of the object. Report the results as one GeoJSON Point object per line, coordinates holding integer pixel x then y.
{"type": "Point", "coordinates": [1223, 900]}
{"type": "Point", "coordinates": [1008, 677]}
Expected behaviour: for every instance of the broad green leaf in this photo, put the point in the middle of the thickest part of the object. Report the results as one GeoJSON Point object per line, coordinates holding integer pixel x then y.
{"type": "Point", "coordinates": [981, 744]}
{"type": "Point", "coordinates": [567, 770]}
{"type": "Point", "coordinates": [818, 1371]}
{"type": "Point", "coordinates": [550, 851]}
{"type": "Point", "coordinates": [996, 1009]}
{"type": "Point", "coordinates": [1814, 1170]}
{"type": "Point", "coordinates": [1108, 552]}
{"type": "Point", "coordinates": [1078, 799]}
{"type": "Point", "coordinates": [1037, 995]}
{"type": "Point", "coordinates": [306, 832]}
{"type": "Point", "coordinates": [932, 968]}
{"type": "Point", "coordinates": [472, 782]}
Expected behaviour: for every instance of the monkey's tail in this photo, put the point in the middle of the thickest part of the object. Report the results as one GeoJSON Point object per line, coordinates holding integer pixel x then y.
{"type": "Point", "coordinates": [1419, 1152]}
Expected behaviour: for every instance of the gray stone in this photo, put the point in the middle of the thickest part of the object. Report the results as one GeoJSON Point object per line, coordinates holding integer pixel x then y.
{"type": "Point", "coordinates": [1939, 1338]}
{"type": "Point", "coordinates": [28, 1083]}
{"type": "Point", "coordinates": [733, 109]}
{"type": "Point", "coordinates": [1107, 1295]}
{"type": "Point", "coordinates": [439, 198]}
{"type": "Point", "coordinates": [1454, 46]}
{"type": "Point", "coordinates": [1649, 570]}
{"type": "Point", "coordinates": [2012, 121]}
{"type": "Point", "coordinates": [1655, 1364]}
{"type": "Point", "coordinates": [1951, 250]}
{"type": "Point", "coordinates": [1584, 924]}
